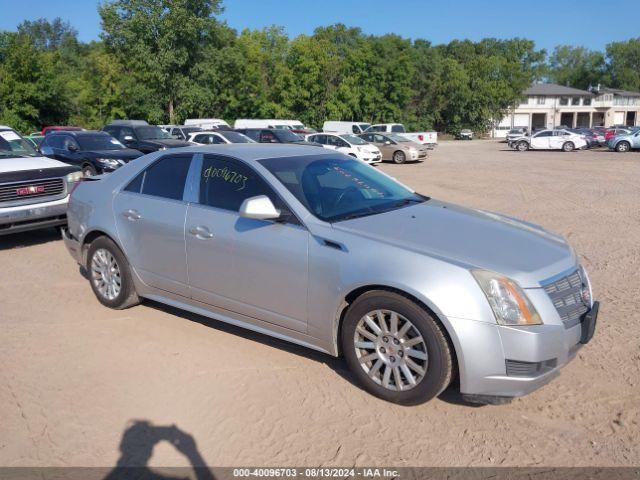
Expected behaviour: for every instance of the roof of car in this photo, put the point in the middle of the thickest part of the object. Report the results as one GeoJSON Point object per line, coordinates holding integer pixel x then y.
{"type": "Point", "coordinates": [259, 151]}
{"type": "Point", "coordinates": [77, 133]}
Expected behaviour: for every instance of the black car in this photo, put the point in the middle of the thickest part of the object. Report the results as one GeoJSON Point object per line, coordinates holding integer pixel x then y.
{"type": "Point", "coordinates": [94, 152]}
{"type": "Point", "coordinates": [274, 135]}
{"type": "Point", "coordinates": [140, 135]}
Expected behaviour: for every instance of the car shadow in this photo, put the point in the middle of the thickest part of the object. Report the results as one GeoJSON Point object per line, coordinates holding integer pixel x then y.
{"type": "Point", "coordinates": [29, 239]}
{"type": "Point", "coordinates": [136, 448]}
{"type": "Point", "coordinates": [336, 364]}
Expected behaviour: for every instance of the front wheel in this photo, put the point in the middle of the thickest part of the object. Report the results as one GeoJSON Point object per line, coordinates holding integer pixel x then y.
{"type": "Point", "coordinates": [399, 157]}
{"type": "Point", "coordinates": [110, 275]}
{"type": "Point", "coordinates": [395, 348]}
{"type": "Point", "coordinates": [568, 147]}
{"type": "Point", "coordinates": [623, 147]}
{"type": "Point", "coordinates": [522, 146]}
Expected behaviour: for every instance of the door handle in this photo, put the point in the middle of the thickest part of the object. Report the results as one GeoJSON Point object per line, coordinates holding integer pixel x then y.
{"type": "Point", "coordinates": [201, 232]}
{"type": "Point", "coordinates": [132, 215]}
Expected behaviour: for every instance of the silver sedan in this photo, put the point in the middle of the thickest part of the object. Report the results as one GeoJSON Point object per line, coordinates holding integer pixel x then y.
{"type": "Point", "coordinates": [317, 248]}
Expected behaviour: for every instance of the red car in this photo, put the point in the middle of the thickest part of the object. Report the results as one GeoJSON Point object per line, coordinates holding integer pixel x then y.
{"type": "Point", "coordinates": [46, 130]}
{"type": "Point", "coordinates": [612, 132]}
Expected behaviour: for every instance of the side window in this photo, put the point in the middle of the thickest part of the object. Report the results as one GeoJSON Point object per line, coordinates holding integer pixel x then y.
{"type": "Point", "coordinates": [368, 137]}
{"type": "Point", "coordinates": [54, 141]}
{"type": "Point", "coordinates": [201, 139]}
{"type": "Point", "coordinates": [216, 140]}
{"type": "Point", "coordinates": [135, 185]}
{"type": "Point", "coordinates": [355, 129]}
{"type": "Point", "coordinates": [321, 139]}
{"type": "Point", "coordinates": [397, 128]}
{"type": "Point", "coordinates": [380, 138]}
{"type": "Point", "coordinates": [267, 137]}
{"type": "Point", "coordinates": [125, 132]}
{"type": "Point", "coordinates": [166, 178]}
{"type": "Point", "coordinates": [113, 131]}
{"type": "Point", "coordinates": [252, 134]}
{"type": "Point", "coordinates": [226, 183]}
{"type": "Point", "coordinates": [544, 134]}
{"type": "Point", "coordinates": [69, 142]}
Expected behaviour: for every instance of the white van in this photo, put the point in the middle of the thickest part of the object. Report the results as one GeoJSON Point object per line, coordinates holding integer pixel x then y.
{"type": "Point", "coordinates": [206, 123]}
{"type": "Point", "coordinates": [268, 123]}
{"type": "Point", "coordinates": [345, 127]}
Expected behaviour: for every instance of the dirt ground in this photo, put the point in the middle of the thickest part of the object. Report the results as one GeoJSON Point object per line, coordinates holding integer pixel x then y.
{"type": "Point", "coordinates": [75, 376]}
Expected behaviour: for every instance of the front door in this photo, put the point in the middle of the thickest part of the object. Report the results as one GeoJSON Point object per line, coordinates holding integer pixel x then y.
{"type": "Point", "coordinates": [540, 141]}
{"type": "Point", "coordinates": [257, 268]}
{"type": "Point", "coordinates": [150, 215]}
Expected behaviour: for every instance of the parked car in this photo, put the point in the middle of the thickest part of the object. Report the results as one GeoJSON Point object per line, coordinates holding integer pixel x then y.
{"type": "Point", "coordinates": [589, 136]}
{"type": "Point", "coordinates": [317, 248]}
{"type": "Point", "coordinates": [613, 132]}
{"type": "Point", "coordinates": [298, 127]}
{"type": "Point", "coordinates": [58, 128]}
{"type": "Point", "coordinates": [345, 127]}
{"type": "Point", "coordinates": [465, 134]}
{"type": "Point", "coordinates": [218, 137]}
{"type": "Point", "coordinates": [207, 123]}
{"type": "Point", "coordinates": [94, 152]}
{"type": "Point", "coordinates": [625, 143]}
{"type": "Point", "coordinates": [348, 144]}
{"type": "Point", "coordinates": [549, 140]}
{"type": "Point", "coordinates": [181, 132]}
{"type": "Point", "coordinates": [396, 148]}
{"type": "Point", "coordinates": [35, 139]}
{"type": "Point", "coordinates": [34, 190]}
{"type": "Point", "coordinates": [424, 138]}
{"type": "Point", "coordinates": [244, 123]}
{"type": "Point", "coordinates": [139, 135]}
{"type": "Point", "coordinates": [516, 133]}
{"type": "Point", "coordinates": [275, 135]}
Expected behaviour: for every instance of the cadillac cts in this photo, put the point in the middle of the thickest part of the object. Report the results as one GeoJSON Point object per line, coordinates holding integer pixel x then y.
{"type": "Point", "coordinates": [320, 249]}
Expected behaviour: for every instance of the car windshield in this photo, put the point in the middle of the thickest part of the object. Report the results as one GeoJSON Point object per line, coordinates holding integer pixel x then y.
{"type": "Point", "coordinates": [13, 145]}
{"type": "Point", "coordinates": [335, 189]}
{"type": "Point", "coordinates": [353, 140]}
{"type": "Point", "coordinates": [287, 136]}
{"type": "Point", "coordinates": [152, 133]}
{"type": "Point", "coordinates": [235, 137]}
{"type": "Point", "coordinates": [397, 138]}
{"type": "Point", "coordinates": [99, 142]}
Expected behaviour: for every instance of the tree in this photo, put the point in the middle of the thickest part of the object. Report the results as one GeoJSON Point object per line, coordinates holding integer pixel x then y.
{"type": "Point", "coordinates": [49, 35]}
{"type": "Point", "coordinates": [576, 67]}
{"type": "Point", "coordinates": [624, 64]}
{"type": "Point", "coordinates": [159, 42]}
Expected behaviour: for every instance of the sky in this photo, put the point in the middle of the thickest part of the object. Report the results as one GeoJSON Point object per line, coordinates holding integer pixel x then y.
{"type": "Point", "coordinates": [588, 23]}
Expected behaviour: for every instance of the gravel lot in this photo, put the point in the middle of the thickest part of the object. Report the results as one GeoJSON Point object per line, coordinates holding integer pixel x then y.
{"type": "Point", "coordinates": [75, 376]}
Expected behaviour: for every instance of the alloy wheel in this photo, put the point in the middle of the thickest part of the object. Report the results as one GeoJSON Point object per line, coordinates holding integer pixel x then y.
{"type": "Point", "coordinates": [105, 274]}
{"type": "Point", "coordinates": [390, 350]}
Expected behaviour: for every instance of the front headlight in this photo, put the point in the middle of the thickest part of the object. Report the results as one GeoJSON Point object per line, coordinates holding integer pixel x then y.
{"type": "Point", "coordinates": [508, 301]}
{"type": "Point", "coordinates": [74, 177]}
{"type": "Point", "coordinates": [108, 162]}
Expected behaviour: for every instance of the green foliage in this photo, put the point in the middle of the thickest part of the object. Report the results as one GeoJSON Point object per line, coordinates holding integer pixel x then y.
{"type": "Point", "coordinates": [168, 60]}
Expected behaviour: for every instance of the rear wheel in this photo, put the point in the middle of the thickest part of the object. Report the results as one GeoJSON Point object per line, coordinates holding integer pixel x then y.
{"type": "Point", "coordinates": [623, 147]}
{"type": "Point", "coordinates": [399, 157]}
{"type": "Point", "coordinates": [110, 275]}
{"type": "Point", "coordinates": [395, 349]}
{"type": "Point", "coordinates": [568, 147]}
{"type": "Point", "coordinates": [522, 146]}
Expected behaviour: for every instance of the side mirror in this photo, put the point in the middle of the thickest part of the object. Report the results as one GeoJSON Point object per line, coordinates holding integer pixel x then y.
{"type": "Point", "coordinates": [259, 208]}
{"type": "Point", "coordinates": [46, 151]}
{"type": "Point", "coordinates": [73, 148]}
{"type": "Point", "coordinates": [128, 138]}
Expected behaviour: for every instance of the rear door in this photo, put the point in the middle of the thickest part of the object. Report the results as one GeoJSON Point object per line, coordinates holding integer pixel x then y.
{"type": "Point", "coordinates": [257, 268]}
{"type": "Point", "coordinates": [150, 214]}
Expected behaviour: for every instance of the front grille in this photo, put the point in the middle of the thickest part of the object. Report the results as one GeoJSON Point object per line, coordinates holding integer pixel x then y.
{"type": "Point", "coordinates": [566, 295]}
{"type": "Point", "coordinates": [516, 368]}
{"type": "Point", "coordinates": [22, 192]}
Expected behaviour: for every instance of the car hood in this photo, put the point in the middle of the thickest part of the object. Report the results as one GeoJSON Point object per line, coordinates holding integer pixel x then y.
{"type": "Point", "coordinates": [29, 163]}
{"type": "Point", "coordinates": [126, 154]}
{"type": "Point", "coordinates": [166, 142]}
{"type": "Point", "coordinates": [470, 238]}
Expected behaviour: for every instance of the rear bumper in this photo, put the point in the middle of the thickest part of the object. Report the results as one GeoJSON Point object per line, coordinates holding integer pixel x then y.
{"type": "Point", "coordinates": [501, 361]}
{"type": "Point", "coordinates": [34, 216]}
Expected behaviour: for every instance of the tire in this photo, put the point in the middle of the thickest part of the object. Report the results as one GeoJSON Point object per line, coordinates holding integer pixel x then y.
{"type": "Point", "coordinates": [428, 339]}
{"type": "Point", "coordinates": [399, 157]}
{"type": "Point", "coordinates": [102, 252]}
{"type": "Point", "coordinates": [522, 146]}
{"type": "Point", "coordinates": [623, 147]}
{"type": "Point", "coordinates": [568, 147]}
{"type": "Point", "coordinates": [89, 171]}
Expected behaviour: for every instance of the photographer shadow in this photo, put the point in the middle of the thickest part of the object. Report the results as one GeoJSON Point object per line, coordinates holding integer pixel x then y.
{"type": "Point", "coordinates": [136, 449]}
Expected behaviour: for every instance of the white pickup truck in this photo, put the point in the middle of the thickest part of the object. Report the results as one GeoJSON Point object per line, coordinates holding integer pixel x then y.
{"type": "Point", "coordinates": [430, 139]}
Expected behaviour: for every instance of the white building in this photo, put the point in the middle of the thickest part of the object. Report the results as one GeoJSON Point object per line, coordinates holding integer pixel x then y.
{"type": "Point", "coordinates": [546, 105]}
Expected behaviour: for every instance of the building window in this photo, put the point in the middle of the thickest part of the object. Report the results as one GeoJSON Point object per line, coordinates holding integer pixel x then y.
{"type": "Point", "coordinates": [541, 100]}
{"type": "Point", "coordinates": [586, 101]}
{"type": "Point", "coordinates": [564, 101]}
{"type": "Point", "coordinates": [575, 101]}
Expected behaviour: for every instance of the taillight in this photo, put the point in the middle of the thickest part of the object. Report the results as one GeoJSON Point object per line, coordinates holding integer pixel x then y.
{"type": "Point", "coordinates": [421, 137]}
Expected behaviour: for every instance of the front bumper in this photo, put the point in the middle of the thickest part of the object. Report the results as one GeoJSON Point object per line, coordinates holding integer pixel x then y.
{"type": "Point", "coordinates": [33, 216]}
{"type": "Point", "coordinates": [502, 361]}
{"type": "Point", "coordinates": [73, 246]}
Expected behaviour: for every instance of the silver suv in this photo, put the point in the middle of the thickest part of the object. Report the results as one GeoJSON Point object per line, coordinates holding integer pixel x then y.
{"type": "Point", "coordinates": [320, 249]}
